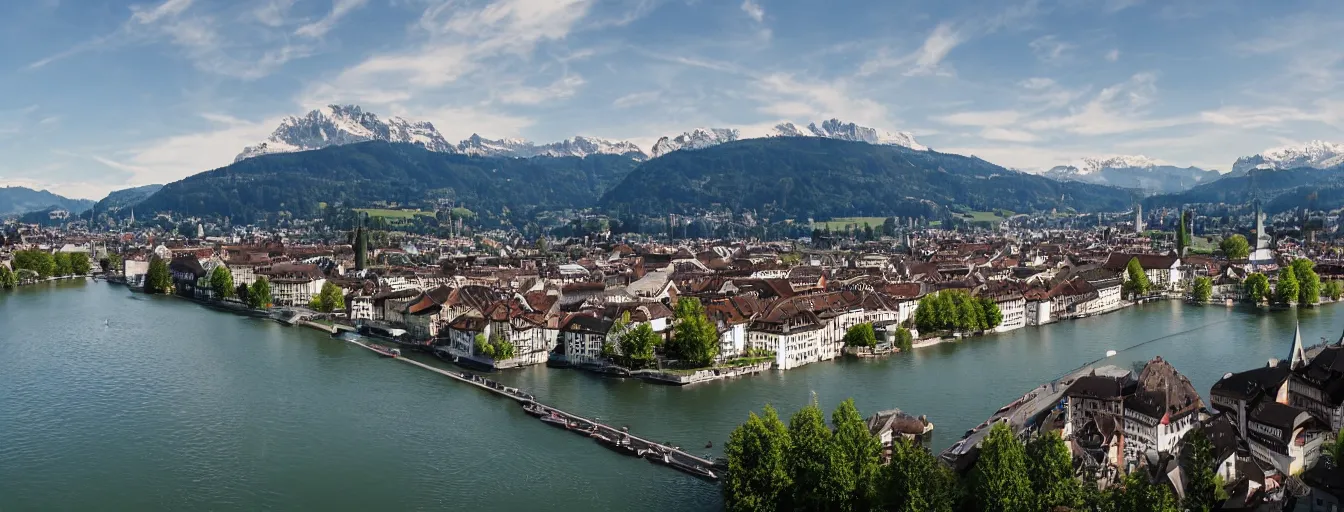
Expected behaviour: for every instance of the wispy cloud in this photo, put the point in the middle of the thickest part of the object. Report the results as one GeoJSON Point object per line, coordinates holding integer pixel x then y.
{"type": "Point", "coordinates": [524, 95]}
{"type": "Point", "coordinates": [1113, 55]}
{"type": "Point", "coordinates": [753, 10]}
{"type": "Point", "coordinates": [1049, 48]}
{"type": "Point", "coordinates": [339, 9]}
{"type": "Point", "coordinates": [935, 48]}
{"type": "Point", "coordinates": [636, 99]}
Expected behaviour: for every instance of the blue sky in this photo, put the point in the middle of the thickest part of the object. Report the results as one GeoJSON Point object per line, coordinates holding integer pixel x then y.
{"type": "Point", "coordinates": [104, 94]}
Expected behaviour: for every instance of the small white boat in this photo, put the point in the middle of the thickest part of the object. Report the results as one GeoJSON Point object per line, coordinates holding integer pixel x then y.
{"type": "Point", "coordinates": [1110, 353]}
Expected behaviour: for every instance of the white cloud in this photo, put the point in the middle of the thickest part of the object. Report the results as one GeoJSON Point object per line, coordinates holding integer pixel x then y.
{"type": "Point", "coordinates": [273, 13]}
{"type": "Point", "coordinates": [459, 122]}
{"type": "Point", "coordinates": [935, 48]}
{"type": "Point", "coordinates": [339, 9]}
{"type": "Point", "coordinates": [172, 158]}
{"type": "Point", "coordinates": [782, 95]}
{"type": "Point", "coordinates": [981, 118]}
{"type": "Point", "coordinates": [169, 8]}
{"type": "Point", "coordinates": [1116, 109]}
{"type": "Point", "coordinates": [524, 95]}
{"type": "Point", "coordinates": [754, 10]}
{"type": "Point", "coordinates": [1113, 55]}
{"type": "Point", "coordinates": [636, 99]}
{"type": "Point", "coordinates": [1007, 134]}
{"type": "Point", "coordinates": [1049, 48]}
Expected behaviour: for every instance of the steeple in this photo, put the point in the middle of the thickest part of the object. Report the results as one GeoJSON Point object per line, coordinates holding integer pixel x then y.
{"type": "Point", "coordinates": [1298, 358]}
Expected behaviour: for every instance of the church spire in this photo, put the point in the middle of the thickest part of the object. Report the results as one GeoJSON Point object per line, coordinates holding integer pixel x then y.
{"type": "Point", "coordinates": [1298, 358]}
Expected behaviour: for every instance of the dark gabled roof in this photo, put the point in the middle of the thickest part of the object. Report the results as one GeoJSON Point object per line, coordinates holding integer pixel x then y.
{"type": "Point", "coordinates": [1326, 371]}
{"type": "Point", "coordinates": [587, 324]}
{"type": "Point", "coordinates": [1222, 435]}
{"type": "Point", "coordinates": [186, 264]}
{"type": "Point", "coordinates": [1151, 403]}
{"type": "Point", "coordinates": [1284, 417]}
{"type": "Point", "coordinates": [1251, 384]}
{"type": "Point", "coordinates": [1119, 261]}
{"type": "Point", "coordinates": [1098, 387]}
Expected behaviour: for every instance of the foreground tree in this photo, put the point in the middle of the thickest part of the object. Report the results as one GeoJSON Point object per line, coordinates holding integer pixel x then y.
{"type": "Point", "coordinates": [859, 454]}
{"type": "Point", "coordinates": [79, 264]}
{"type": "Point", "coordinates": [1203, 491]}
{"type": "Point", "coordinates": [915, 481]}
{"type": "Point", "coordinates": [811, 460]}
{"type": "Point", "coordinates": [1332, 289]}
{"type": "Point", "coordinates": [998, 481]}
{"type": "Point", "coordinates": [62, 261]}
{"type": "Point", "coordinates": [259, 295]}
{"type": "Point", "coordinates": [637, 346]}
{"type": "Point", "coordinates": [695, 339]}
{"type": "Point", "coordinates": [1308, 282]}
{"type": "Point", "coordinates": [221, 282]}
{"type": "Point", "coordinates": [1257, 288]}
{"type": "Point", "coordinates": [8, 279]}
{"type": "Point", "coordinates": [330, 298]}
{"type": "Point", "coordinates": [1137, 282]}
{"type": "Point", "coordinates": [1050, 469]}
{"type": "Point", "coordinates": [860, 335]}
{"type": "Point", "coordinates": [157, 278]}
{"type": "Point", "coordinates": [41, 262]}
{"type": "Point", "coordinates": [1286, 291]}
{"type": "Point", "coordinates": [758, 477]}
{"type": "Point", "coordinates": [903, 339]}
{"type": "Point", "coordinates": [1201, 290]}
{"type": "Point", "coordinates": [1137, 494]}
{"type": "Point", "coordinates": [1235, 247]}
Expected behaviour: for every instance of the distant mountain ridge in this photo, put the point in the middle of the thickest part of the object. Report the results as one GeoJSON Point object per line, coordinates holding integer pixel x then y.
{"type": "Point", "coordinates": [701, 138]}
{"type": "Point", "coordinates": [1133, 171]}
{"type": "Point", "coordinates": [1280, 189]}
{"type": "Point", "coordinates": [816, 177]}
{"type": "Point", "coordinates": [125, 198]}
{"type": "Point", "coordinates": [1315, 154]}
{"type": "Point", "coordinates": [336, 125]}
{"type": "Point", "coordinates": [19, 200]}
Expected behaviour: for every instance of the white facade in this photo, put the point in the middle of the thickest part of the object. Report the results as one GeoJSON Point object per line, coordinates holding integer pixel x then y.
{"type": "Point", "coordinates": [1014, 311]}
{"type": "Point", "coordinates": [295, 292]}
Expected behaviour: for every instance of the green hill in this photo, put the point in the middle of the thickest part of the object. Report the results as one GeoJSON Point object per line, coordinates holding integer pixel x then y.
{"type": "Point", "coordinates": [802, 177]}
{"type": "Point", "coordinates": [1281, 190]}
{"type": "Point", "coordinates": [18, 200]}
{"type": "Point", "coordinates": [371, 173]}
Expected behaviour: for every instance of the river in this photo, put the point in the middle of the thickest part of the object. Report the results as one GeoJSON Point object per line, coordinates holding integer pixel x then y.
{"type": "Point", "coordinates": [114, 400]}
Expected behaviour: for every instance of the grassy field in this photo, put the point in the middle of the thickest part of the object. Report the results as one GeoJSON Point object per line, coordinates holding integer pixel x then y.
{"type": "Point", "coordinates": [839, 223]}
{"type": "Point", "coordinates": [988, 216]}
{"type": "Point", "coordinates": [393, 214]}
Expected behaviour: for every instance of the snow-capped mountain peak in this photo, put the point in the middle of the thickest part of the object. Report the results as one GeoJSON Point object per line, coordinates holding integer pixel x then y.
{"type": "Point", "coordinates": [1132, 171]}
{"type": "Point", "coordinates": [837, 129]}
{"type": "Point", "coordinates": [335, 125]}
{"type": "Point", "coordinates": [698, 138]}
{"type": "Point", "coordinates": [1093, 165]}
{"type": "Point", "coordinates": [1318, 154]}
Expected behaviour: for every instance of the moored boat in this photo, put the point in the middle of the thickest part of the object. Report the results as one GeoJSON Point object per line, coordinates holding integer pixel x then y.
{"type": "Point", "coordinates": [535, 409]}
{"type": "Point", "coordinates": [694, 469]}
{"type": "Point", "coordinates": [556, 420]}
{"type": "Point", "coordinates": [384, 351]}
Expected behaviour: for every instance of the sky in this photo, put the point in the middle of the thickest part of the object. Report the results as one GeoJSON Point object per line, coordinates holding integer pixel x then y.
{"type": "Point", "coordinates": [100, 95]}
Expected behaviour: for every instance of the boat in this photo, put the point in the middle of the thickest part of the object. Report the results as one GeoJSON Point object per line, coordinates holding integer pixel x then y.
{"type": "Point", "coordinates": [535, 409]}
{"type": "Point", "coordinates": [556, 420]}
{"type": "Point", "coordinates": [694, 469]}
{"type": "Point", "coordinates": [384, 351]}
{"type": "Point", "coordinates": [621, 446]}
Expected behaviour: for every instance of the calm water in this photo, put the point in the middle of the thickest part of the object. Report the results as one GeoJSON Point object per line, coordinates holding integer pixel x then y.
{"type": "Point", "coordinates": [110, 400]}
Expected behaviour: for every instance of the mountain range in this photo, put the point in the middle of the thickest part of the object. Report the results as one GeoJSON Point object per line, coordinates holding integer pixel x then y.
{"type": "Point", "coordinates": [19, 200]}
{"type": "Point", "coordinates": [1136, 172]}
{"type": "Point", "coordinates": [1315, 154]}
{"type": "Point", "coordinates": [336, 125]}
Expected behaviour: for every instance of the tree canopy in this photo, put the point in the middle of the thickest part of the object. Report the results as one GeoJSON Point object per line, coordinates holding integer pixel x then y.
{"type": "Point", "coordinates": [158, 279]}
{"type": "Point", "coordinates": [1202, 289]}
{"type": "Point", "coordinates": [1235, 247]}
{"type": "Point", "coordinates": [1257, 288]}
{"type": "Point", "coordinates": [861, 335]}
{"type": "Point", "coordinates": [221, 282]}
{"type": "Point", "coordinates": [950, 310]}
{"type": "Point", "coordinates": [330, 298]}
{"type": "Point", "coordinates": [1287, 290]}
{"type": "Point", "coordinates": [1308, 282]}
{"type": "Point", "coordinates": [259, 295]}
{"type": "Point", "coordinates": [695, 339]}
{"type": "Point", "coordinates": [999, 481]}
{"type": "Point", "coordinates": [1136, 282]}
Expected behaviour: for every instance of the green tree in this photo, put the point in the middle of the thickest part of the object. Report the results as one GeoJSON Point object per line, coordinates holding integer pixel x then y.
{"type": "Point", "coordinates": [502, 348]}
{"type": "Point", "coordinates": [1336, 450]}
{"type": "Point", "coordinates": [8, 279]}
{"type": "Point", "coordinates": [241, 292]}
{"type": "Point", "coordinates": [1309, 283]}
{"type": "Point", "coordinates": [37, 261]}
{"type": "Point", "coordinates": [157, 278]}
{"type": "Point", "coordinates": [811, 459]}
{"type": "Point", "coordinates": [330, 298]}
{"type": "Point", "coordinates": [860, 452]}
{"type": "Point", "coordinates": [483, 347]}
{"type": "Point", "coordinates": [62, 261]}
{"type": "Point", "coordinates": [1201, 290]}
{"type": "Point", "coordinates": [259, 295]}
{"type": "Point", "coordinates": [1050, 469]}
{"type": "Point", "coordinates": [1256, 287]}
{"type": "Point", "coordinates": [695, 339]}
{"type": "Point", "coordinates": [914, 480]}
{"type": "Point", "coordinates": [1332, 289]}
{"type": "Point", "coordinates": [1183, 234]}
{"type": "Point", "coordinates": [113, 263]}
{"type": "Point", "coordinates": [1235, 247]}
{"type": "Point", "coordinates": [221, 282]}
{"type": "Point", "coordinates": [79, 264]}
{"type": "Point", "coordinates": [903, 340]}
{"type": "Point", "coordinates": [637, 346]}
{"type": "Point", "coordinates": [758, 475]}
{"type": "Point", "coordinates": [1202, 490]}
{"type": "Point", "coordinates": [998, 481]}
{"type": "Point", "coordinates": [993, 316]}
{"type": "Point", "coordinates": [1136, 283]}
{"type": "Point", "coordinates": [1286, 290]}
{"type": "Point", "coordinates": [1137, 494]}
{"type": "Point", "coordinates": [861, 335]}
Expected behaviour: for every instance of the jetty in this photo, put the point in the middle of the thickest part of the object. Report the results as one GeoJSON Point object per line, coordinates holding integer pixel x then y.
{"type": "Point", "coordinates": [620, 439]}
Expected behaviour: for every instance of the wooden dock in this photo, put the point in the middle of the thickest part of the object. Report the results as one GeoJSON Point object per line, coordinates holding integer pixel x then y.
{"type": "Point", "coordinates": [583, 426]}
